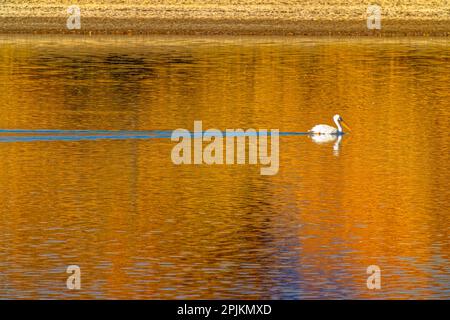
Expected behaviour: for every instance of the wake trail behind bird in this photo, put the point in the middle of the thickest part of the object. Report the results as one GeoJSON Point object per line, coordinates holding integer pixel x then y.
{"type": "Point", "coordinates": [25, 135]}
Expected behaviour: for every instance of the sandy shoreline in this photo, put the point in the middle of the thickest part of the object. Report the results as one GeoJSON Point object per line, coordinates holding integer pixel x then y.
{"type": "Point", "coordinates": [221, 17]}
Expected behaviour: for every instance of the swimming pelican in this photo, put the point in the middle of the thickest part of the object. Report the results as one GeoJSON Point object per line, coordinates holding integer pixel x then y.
{"type": "Point", "coordinates": [326, 129]}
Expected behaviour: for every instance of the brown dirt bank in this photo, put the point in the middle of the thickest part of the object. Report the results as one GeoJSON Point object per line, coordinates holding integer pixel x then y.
{"type": "Point", "coordinates": [227, 17]}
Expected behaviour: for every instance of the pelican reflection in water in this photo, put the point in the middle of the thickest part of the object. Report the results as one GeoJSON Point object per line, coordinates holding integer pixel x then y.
{"type": "Point", "coordinates": [327, 138]}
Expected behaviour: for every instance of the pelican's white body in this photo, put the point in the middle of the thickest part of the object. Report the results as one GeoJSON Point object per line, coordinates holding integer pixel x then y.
{"type": "Point", "coordinates": [326, 129]}
{"type": "Point", "coordinates": [323, 138]}
{"type": "Point", "coordinates": [323, 129]}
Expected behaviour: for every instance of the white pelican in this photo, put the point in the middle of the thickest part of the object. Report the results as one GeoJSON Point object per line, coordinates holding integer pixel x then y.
{"type": "Point", "coordinates": [326, 129]}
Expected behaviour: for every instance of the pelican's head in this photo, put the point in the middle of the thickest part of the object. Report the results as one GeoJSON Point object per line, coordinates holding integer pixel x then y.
{"type": "Point", "coordinates": [338, 119]}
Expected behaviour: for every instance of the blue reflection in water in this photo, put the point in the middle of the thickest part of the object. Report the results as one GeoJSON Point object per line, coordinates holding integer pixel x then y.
{"type": "Point", "coordinates": [23, 135]}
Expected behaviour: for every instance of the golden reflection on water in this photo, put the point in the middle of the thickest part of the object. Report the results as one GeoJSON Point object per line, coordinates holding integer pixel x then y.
{"type": "Point", "coordinates": [141, 227]}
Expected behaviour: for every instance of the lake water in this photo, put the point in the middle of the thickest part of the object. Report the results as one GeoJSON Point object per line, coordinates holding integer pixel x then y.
{"type": "Point", "coordinates": [139, 226]}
